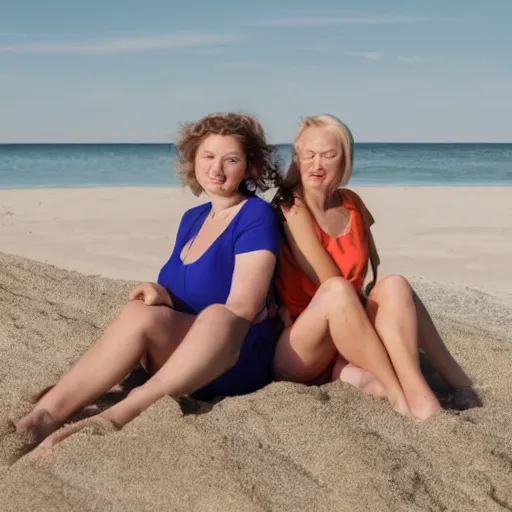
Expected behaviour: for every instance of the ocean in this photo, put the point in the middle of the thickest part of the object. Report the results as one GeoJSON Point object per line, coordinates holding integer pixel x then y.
{"type": "Point", "coordinates": [377, 164]}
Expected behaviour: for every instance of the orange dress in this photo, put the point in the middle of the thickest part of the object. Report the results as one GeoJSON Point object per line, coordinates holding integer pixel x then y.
{"type": "Point", "coordinates": [349, 251]}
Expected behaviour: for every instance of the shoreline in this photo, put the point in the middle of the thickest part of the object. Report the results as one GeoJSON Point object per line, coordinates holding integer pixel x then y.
{"type": "Point", "coordinates": [168, 143]}
{"type": "Point", "coordinates": [356, 184]}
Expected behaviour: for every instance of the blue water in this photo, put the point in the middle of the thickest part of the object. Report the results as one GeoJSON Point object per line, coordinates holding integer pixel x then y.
{"type": "Point", "coordinates": [104, 165]}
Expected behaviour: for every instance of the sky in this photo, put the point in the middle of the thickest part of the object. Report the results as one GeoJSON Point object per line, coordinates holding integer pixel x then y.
{"type": "Point", "coordinates": [133, 70]}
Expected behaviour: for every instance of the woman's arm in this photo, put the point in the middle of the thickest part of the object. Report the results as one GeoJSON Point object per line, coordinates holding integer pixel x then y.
{"type": "Point", "coordinates": [213, 343]}
{"type": "Point", "coordinates": [305, 246]}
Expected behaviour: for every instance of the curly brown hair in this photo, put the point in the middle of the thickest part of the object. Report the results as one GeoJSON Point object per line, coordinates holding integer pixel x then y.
{"type": "Point", "coordinates": [261, 157]}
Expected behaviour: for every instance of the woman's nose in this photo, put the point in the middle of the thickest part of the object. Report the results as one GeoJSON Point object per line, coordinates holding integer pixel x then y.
{"type": "Point", "coordinates": [215, 165]}
{"type": "Point", "coordinates": [317, 162]}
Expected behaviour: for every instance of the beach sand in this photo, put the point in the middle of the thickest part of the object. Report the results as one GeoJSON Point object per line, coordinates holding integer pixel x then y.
{"type": "Point", "coordinates": [68, 260]}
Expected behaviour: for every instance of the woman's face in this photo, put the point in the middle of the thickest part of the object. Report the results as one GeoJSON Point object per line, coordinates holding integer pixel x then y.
{"type": "Point", "coordinates": [320, 159]}
{"type": "Point", "coordinates": [220, 165]}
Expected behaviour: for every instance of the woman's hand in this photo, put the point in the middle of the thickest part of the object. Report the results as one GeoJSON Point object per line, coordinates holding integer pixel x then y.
{"type": "Point", "coordinates": [98, 424]}
{"type": "Point", "coordinates": [152, 294]}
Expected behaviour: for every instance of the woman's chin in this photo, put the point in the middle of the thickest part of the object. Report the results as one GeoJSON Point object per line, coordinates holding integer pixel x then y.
{"type": "Point", "coordinates": [315, 184]}
{"type": "Point", "coordinates": [219, 189]}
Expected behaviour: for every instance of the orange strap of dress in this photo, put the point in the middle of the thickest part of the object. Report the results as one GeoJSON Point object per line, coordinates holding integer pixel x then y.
{"type": "Point", "coordinates": [350, 252]}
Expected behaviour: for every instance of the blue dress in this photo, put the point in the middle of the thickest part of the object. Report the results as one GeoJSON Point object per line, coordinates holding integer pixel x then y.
{"type": "Point", "coordinates": [206, 281]}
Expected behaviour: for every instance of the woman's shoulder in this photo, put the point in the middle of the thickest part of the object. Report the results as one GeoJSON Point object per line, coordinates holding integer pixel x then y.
{"type": "Point", "coordinates": [256, 207]}
{"type": "Point", "coordinates": [256, 227]}
{"type": "Point", "coordinates": [195, 211]}
{"type": "Point", "coordinates": [258, 202]}
{"type": "Point", "coordinates": [358, 203]}
{"type": "Point", "coordinates": [350, 195]}
{"type": "Point", "coordinates": [257, 214]}
{"type": "Point", "coordinates": [192, 217]}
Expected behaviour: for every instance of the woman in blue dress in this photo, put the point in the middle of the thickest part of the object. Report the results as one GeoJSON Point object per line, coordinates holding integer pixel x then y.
{"type": "Point", "coordinates": [205, 328]}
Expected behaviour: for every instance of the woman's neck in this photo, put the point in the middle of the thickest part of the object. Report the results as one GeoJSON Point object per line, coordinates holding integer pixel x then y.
{"type": "Point", "coordinates": [320, 200]}
{"type": "Point", "coordinates": [220, 203]}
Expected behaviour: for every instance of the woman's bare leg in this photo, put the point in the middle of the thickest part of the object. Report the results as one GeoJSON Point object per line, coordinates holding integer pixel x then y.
{"type": "Point", "coordinates": [210, 348]}
{"type": "Point", "coordinates": [335, 321]}
{"type": "Point", "coordinates": [438, 354]}
{"type": "Point", "coordinates": [392, 311]}
{"type": "Point", "coordinates": [136, 330]}
{"type": "Point", "coordinates": [436, 351]}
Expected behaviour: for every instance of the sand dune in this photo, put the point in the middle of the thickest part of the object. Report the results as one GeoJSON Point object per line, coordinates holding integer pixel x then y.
{"type": "Point", "coordinates": [287, 447]}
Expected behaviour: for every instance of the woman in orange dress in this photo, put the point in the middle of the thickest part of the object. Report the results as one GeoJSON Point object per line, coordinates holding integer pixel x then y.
{"type": "Point", "coordinates": [335, 329]}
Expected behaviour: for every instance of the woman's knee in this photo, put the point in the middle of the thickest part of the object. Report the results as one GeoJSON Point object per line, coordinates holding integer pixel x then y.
{"type": "Point", "coordinates": [336, 290]}
{"type": "Point", "coordinates": [393, 285]}
{"type": "Point", "coordinates": [141, 317]}
{"type": "Point", "coordinates": [136, 310]}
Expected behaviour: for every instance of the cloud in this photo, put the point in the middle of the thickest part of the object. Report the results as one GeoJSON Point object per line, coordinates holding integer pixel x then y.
{"type": "Point", "coordinates": [207, 51]}
{"type": "Point", "coordinates": [120, 44]}
{"type": "Point", "coordinates": [391, 84]}
{"type": "Point", "coordinates": [11, 34]}
{"type": "Point", "coordinates": [236, 65]}
{"type": "Point", "coordinates": [409, 60]}
{"type": "Point", "coordinates": [333, 49]}
{"type": "Point", "coordinates": [366, 55]}
{"type": "Point", "coordinates": [323, 21]}
{"type": "Point", "coordinates": [369, 55]}
{"type": "Point", "coordinates": [318, 49]}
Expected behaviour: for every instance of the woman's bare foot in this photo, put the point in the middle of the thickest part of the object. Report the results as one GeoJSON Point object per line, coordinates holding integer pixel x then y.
{"type": "Point", "coordinates": [367, 383]}
{"type": "Point", "coordinates": [399, 404]}
{"type": "Point", "coordinates": [360, 379]}
{"type": "Point", "coordinates": [99, 424]}
{"type": "Point", "coordinates": [37, 426]}
{"type": "Point", "coordinates": [424, 406]}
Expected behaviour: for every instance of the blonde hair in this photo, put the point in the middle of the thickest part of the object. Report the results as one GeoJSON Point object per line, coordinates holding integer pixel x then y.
{"type": "Point", "coordinates": [342, 132]}
{"type": "Point", "coordinates": [288, 190]}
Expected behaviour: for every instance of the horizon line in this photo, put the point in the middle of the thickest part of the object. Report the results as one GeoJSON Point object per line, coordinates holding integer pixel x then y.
{"type": "Point", "coordinates": [170, 143]}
